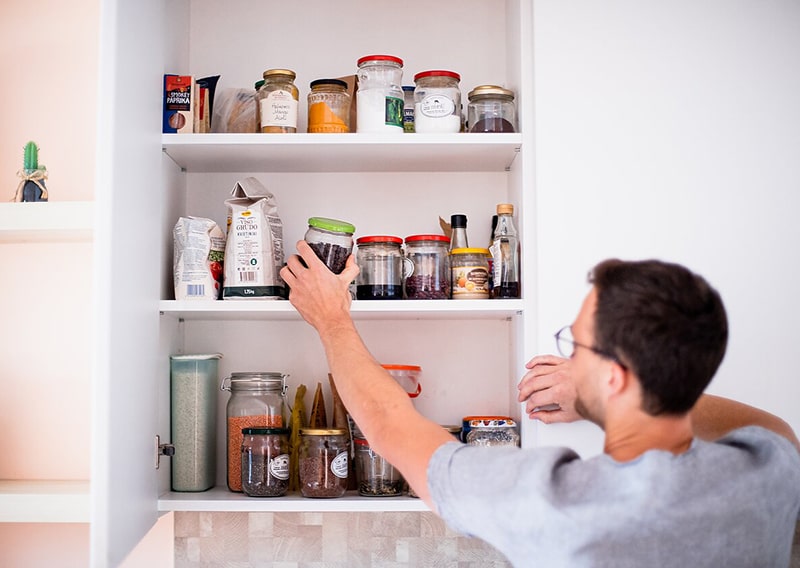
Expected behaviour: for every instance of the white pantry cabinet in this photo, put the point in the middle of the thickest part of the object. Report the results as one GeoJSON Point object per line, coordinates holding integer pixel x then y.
{"type": "Point", "coordinates": [470, 351]}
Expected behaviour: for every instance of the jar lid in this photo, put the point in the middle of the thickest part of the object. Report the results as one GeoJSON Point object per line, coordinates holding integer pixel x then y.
{"type": "Point", "coordinates": [379, 239]}
{"type": "Point", "coordinates": [258, 84]}
{"type": "Point", "coordinates": [202, 357]}
{"type": "Point", "coordinates": [331, 225]}
{"type": "Point", "coordinates": [323, 431]}
{"type": "Point", "coordinates": [452, 428]}
{"type": "Point", "coordinates": [409, 88]}
{"type": "Point", "coordinates": [279, 72]}
{"type": "Point", "coordinates": [323, 82]}
{"type": "Point", "coordinates": [370, 58]}
{"type": "Point", "coordinates": [437, 73]}
{"type": "Point", "coordinates": [415, 368]}
{"type": "Point", "coordinates": [490, 91]}
{"type": "Point", "coordinates": [468, 419]}
{"type": "Point", "coordinates": [255, 381]}
{"type": "Point", "coordinates": [265, 431]}
{"type": "Point", "coordinates": [359, 441]}
{"type": "Point", "coordinates": [440, 238]}
{"type": "Point", "coordinates": [505, 208]}
{"type": "Point", "coordinates": [469, 251]}
{"type": "Point", "coordinates": [493, 423]}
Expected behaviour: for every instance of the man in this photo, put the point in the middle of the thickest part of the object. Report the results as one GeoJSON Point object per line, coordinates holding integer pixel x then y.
{"type": "Point", "coordinates": [645, 344]}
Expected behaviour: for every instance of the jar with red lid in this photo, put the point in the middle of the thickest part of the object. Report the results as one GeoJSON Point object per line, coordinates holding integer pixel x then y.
{"type": "Point", "coordinates": [437, 101]}
{"type": "Point", "coordinates": [380, 258]}
{"type": "Point", "coordinates": [428, 277]}
{"type": "Point", "coordinates": [379, 100]}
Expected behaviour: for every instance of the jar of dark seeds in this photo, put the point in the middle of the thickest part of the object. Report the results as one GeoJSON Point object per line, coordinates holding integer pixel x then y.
{"type": "Point", "coordinates": [323, 462]}
{"type": "Point", "coordinates": [265, 461]}
{"type": "Point", "coordinates": [429, 277]}
{"type": "Point", "coordinates": [493, 432]}
{"type": "Point", "coordinates": [332, 240]}
{"type": "Point", "coordinates": [376, 476]}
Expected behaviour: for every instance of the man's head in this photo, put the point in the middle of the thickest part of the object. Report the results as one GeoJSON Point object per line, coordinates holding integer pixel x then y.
{"type": "Point", "coordinates": [663, 323]}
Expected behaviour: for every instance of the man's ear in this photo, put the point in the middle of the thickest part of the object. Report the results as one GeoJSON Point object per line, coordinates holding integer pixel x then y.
{"type": "Point", "coordinates": [619, 380]}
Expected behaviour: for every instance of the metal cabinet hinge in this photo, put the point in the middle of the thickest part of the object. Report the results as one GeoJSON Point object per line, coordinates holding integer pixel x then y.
{"type": "Point", "coordinates": [163, 450]}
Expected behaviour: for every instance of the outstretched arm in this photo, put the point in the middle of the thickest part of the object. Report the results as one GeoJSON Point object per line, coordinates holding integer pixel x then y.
{"type": "Point", "coordinates": [715, 416]}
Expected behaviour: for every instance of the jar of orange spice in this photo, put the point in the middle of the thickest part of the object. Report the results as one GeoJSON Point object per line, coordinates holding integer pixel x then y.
{"type": "Point", "coordinates": [328, 106]}
{"type": "Point", "coordinates": [258, 400]}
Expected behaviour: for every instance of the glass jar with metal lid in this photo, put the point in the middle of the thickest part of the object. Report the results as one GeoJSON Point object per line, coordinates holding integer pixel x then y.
{"type": "Point", "coordinates": [277, 100]}
{"type": "Point", "coordinates": [323, 462]}
{"type": "Point", "coordinates": [257, 400]}
{"type": "Point", "coordinates": [429, 272]}
{"type": "Point", "coordinates": [381, 261]}
{"type": "Point", "coordinates": [328, 106]}
{"type": "Point", "coordinates": [494, 431]}
{"type": "Point", "coordinates": [332, 240]}
{"type": "Point", "coordinates": [437, 101]}
{"type": "Point", "coordinates": [379, 101]}
{"type": "Point", "coordinates": [491, 109]}
{"type": "Point", "coordinates": [265, 461]}
{"type": "Point", "coordinates": [376, 476]}
{"type": "Point", "coordinates": [470, 273]}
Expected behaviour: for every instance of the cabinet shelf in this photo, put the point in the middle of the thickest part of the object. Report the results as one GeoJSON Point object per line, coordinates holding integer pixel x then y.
{"type": "Point", "coordinates": [342, 152]}
{"type": "Point", "coordinates": [52, 221]}
{"type": "Point", "coordinates": [34, 501]}
{"type": "Point", "coordinates": [361, 309]}
{"type": "Point", "coordinates": [220, 499]}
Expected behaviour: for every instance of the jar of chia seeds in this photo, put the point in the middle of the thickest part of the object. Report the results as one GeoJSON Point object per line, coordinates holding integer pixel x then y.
{"type": "Point", "coordinates": [429, 273]}
{"type": "Point", "coordinates": [496, 431]}
{"type": "Point", "coordinates": [491, 109]}
{"type": "Point", "coordinates": [382, 265]}
{"type": "Point", "coordinates": [469, 273]}
{"type": "Point", "coordinates": [332, 240]}
{"type": "Point", "coordinates": [257, 401]}
{"type": "Point", "coordinates": [265, 461]}
{"type": "Point", "coordinates": [323, 462]}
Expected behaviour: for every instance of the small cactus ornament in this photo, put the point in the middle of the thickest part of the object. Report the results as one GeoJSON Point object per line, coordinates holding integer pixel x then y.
{"type": "Point", "coordinates": [32, 187]}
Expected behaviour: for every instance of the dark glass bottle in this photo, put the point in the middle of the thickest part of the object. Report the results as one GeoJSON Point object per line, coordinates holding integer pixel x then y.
{"type": "Point", "coordinates": [505, 254]}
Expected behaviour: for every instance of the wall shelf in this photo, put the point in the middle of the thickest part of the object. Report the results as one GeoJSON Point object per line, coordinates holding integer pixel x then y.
{"type": "Point", "coordinates": [35, 501]}
{"type": "Point", "coordinates": [52, 221]}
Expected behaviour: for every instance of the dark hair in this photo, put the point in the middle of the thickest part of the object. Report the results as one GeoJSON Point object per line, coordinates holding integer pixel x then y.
{"type": "Point", "coordinates": [663, 322]}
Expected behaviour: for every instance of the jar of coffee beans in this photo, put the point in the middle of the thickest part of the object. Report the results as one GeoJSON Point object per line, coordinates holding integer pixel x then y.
{"type": "Point", "coordinates": [429, 274]}
{"type": "Point", "coordinates": [265, 461]}
{"type": "Point", "coordinates": [332, 240]}
{"type": "Point", "coordinates": [323, 462]}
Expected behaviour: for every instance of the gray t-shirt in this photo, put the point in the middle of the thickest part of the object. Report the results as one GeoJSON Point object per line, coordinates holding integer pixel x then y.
{"type": "Point", "coordinates": [731, 503]}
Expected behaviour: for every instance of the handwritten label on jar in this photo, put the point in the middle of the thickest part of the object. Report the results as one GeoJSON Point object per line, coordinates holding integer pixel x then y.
{"type": "Point", "coordinates": [470, 282]}
{"type": "Point", "coordinates": [437, 106]}
{"type": "Point", "coordinates": [339, 466]}
{"type": "Point", "coordinates": [279, 466]}
{"type": "Point", "coordinates": [279, 108]}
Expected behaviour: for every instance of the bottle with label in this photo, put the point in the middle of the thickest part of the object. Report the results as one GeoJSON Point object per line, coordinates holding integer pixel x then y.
{"type": "Point", "coordinates": [490, 259]}
{"type": "Point", "coordinates": [458, 238]}
{"type": "Point", "coordinates": [505, 254]}
{"type": "Point", "coordinates": [277, 100]}
{"type": "Point", "coordinates": [408, 108]}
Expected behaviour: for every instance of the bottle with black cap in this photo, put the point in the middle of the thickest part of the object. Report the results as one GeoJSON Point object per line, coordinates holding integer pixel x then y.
{"type": "Point", "coordinates": [458, 238]}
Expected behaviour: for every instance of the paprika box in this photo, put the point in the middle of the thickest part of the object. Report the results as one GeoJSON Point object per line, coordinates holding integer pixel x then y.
{"type": "Point", "coordinates": [179, 101]}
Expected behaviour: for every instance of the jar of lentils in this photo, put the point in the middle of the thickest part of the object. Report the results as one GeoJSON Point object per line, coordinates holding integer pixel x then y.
{"type": "Point", "coordinates": [437, 102]}
{"type": "Point", "coordinates": [277, 100]}
{"type": "Point", "coordinates": [428, 277]}
{"type": "Point", "coordinates": [323, 462]}
{"type": "Point", "coordinates": [381, 261]}
{"type": "Point", "coordinates": [265, 461]}
{"type": "Point", "coordinates": [491, 109]}
{"type": "Point", "coordinates": [328, 106]}
{"type": "Point", "coordinates": [493, 432]}
{"type": "Point", "coordinates": [332, 240]}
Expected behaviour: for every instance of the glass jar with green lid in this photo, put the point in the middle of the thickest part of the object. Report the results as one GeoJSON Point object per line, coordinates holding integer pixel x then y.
{"type": "Point", "coordinates": [332, 240]}
{"type": "Point", "coordinates": [277, 100]}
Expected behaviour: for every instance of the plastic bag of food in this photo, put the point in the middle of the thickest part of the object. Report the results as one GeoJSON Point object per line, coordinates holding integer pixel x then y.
{"type": "Point", "coordinates": [199, 252]}
{"type": "Point", "coordinates": [234, 111]}
{"type": "Point", "coordinates": [254, 249]}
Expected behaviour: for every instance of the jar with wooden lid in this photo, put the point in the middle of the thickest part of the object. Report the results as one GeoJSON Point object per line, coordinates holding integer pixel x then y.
{"type": "Point", "coordinates": [328, 106]}
{"type": "Point", "coordinates": [491, 109]}
{"type": "Point", "coordinates": [277, 101]}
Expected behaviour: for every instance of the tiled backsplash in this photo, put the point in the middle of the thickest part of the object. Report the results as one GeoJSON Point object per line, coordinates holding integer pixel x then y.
{"type": "Point", "coordinates": [325, 540]}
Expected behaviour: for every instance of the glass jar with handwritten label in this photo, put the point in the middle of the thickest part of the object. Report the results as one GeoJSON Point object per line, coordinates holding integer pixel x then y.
{"type": "Point", "coordinates": [277, 101]}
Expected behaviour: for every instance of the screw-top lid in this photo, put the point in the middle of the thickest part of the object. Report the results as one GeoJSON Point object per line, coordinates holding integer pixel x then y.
{"type": "Point", "coordinates": [200, 357]}
{"type": "Point", "coordinates": [505, 209]}
{"type": "Point", "coordinates": [409, 88]}
{"type": "Point", "coordinates": [276, 72]}
{"type": "Point", "coordinates": [323, 431]}
{"type": "Point", "coordinates": [484, 91]}
{"type": "Point", "coordinates": [458, 221]}
{"type": "Point", "coordinates": [413, 368]}
{"type": "Point", "coordinates": [379, 239]}
{"type": "Point", "coordinates": [328, 82]}
{"type": "Point", "coordinates": [417, 238]}
{"type": "Point", "coordinates": [258, 84]}
{"type": "Point", "coordinates": [264, 431]}
{"type": "Point", "coordinates": [470, 250]}
{"type": "Point", "coordinates": [437, 73]}
{"type": "Point", "coordinates": [329, 224]}
{"type": "Point", "coordinates": [380, 58]}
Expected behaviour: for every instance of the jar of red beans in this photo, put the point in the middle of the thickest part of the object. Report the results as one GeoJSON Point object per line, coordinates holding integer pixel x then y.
{"type": "Point", "coordinates": [428, 277]}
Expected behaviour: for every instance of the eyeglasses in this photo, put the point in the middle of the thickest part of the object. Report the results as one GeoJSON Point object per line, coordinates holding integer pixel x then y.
{"type": "Point", "coordinates": [566, 346]}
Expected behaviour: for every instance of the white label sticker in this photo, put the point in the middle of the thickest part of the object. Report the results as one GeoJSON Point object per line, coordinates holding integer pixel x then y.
{"type": "Point", "coordinates": [437, 106]}
{"type": "Point", "coordinates": [339, 465]}
{"type": "Point", "coordinates": [279, 466]}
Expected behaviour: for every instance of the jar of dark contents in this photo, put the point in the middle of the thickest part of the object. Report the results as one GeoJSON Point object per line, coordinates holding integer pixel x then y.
{"type": "Point", "coordinates": [456, 432]}
{"type": "Point", "coordinates": [429, 276]}
{"type": "Point", "coordinates": [491, 109]}
{"type": "Point", "coordinates": [493, 432]}
{"type": "Point", "coordinates": [332, 240]}
{"type": "Point", "coordinates": [469, 273]}
{"type": "Point", "coordinates": [323, 462]}
{"type": "Point", "coordinates": [381, 261]}
{"type": "Point", "coordinates": [257, 400]}
{"type": "Point", "coordinates": [376, 476]}
{"type": "Point", "coordinates": [328, 106]}
{"type": "Point", "coordinates": [265, 461]}
{"type": "Point", "coordinates": [437, 101]}
{"type": "Point", "coordinates": [408, 108]}
{"type": "Point", "coordinates": [278, 99]}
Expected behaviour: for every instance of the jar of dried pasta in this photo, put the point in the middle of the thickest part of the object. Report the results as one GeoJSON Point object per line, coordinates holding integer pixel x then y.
{"type": "Point", "coordinates": [277, 101]}
{"type": "Point", "coordinates": [328, 106]}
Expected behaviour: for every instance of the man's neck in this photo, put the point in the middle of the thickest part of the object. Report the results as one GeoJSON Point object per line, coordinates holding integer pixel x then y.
{"type": "Point", "coordinates": [633, 433]}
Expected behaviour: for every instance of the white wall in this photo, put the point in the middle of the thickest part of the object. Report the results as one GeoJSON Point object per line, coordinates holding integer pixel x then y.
{"type": "Point", "coordinates": [672, 130]}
